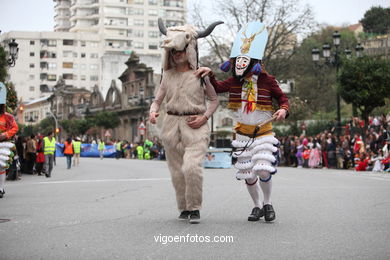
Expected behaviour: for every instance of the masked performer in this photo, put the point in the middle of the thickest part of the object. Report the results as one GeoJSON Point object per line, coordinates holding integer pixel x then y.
{"type": "Point", "coordinates": [251, 91]}
{"type": "Point", "coordinates": [185, 132]}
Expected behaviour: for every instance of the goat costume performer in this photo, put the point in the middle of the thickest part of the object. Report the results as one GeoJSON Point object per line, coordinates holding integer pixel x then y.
{"type": "Point", "coordinates": [185, 133]}
{"type": "Point", "coordinates": [8, 128]}
{"type": "Point", "coordinates": [251, 91]}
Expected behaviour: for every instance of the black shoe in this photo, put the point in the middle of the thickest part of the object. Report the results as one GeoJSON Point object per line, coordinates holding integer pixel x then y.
{"type": "Point", "coordinates": [194, 217]}
{"type": "Point", "coordinates": [2, 193]}
{"type": "Point", "coordinates": [184, 215]}
{"type": "Point", "coordinates": [256, 214]}
{"type": "Point", "coordinates": [269, 213]}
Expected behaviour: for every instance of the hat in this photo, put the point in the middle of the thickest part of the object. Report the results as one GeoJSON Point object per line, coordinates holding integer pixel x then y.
{"type": "Point", "coordinates": [3, 93]}
{"type": "Point", "coordinates": [250, 41]}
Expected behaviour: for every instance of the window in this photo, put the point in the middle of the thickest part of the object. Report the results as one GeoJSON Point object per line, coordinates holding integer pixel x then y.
{"type": "Point", "coordinates": [93, 67]}
{"type": "Point", "coordinates": [136, 11]}
{"type": "Point", "coordinates": [83, 66]}
{"type": "Point", "coordinates": [152, 2]}
{"type": "Point", "coordinates": [94, 55]}
{"type": "Point", "coordinates": [152, 46]}
{"type": "Point", "coordinates": [67, 65]}
{"type": "Point", "coordinates": [227, 121]}
{"type": "Point", "coordinates": [32, 65]}
{"type": "Point", "coordinates": [74, 54]}
{"type": "Point", "coordinates": [32, 42]}
{"type": "Point", "coordinates": [82, 55]}
{"type": "Point", "coordinates": [31, 76]}
{"type": "Point", "coordinates": [138, 45]}
{"type": "Point", "coordinates": [82, 43]}
{"type": "Point", "coordinates": [152, 23]}
{"type": "Point", "coordinates": [153, 34]}
{"type": "Point", "coordinates": [52, 43]}
{"type": "Point", "coordinates": [32, 88]}
{"type": "Point", "coordinates": [138, 33]}
{"type": "Point", "coordinates": [94, 78]}
{"type": "Point", "coordinates": [66, 54]}
{"type": "Point", "coordinates": [52, 66]}
{"type": "Point", "coordinates": [153, 12]}
{"type": "Point", "coordinates": [83, 77]}
{"type": "Point", "coordinates": [67, 42]}
{"type": "Point", "coordinates": [94, 44]}
{"type": "Point", "coordinates": [67, 76]}
{"type": "Point", "coordinates": [52, 77]}
{"type": "Point", "coordinates": [32, 54]}
{"type": "Point", "coordinates": [139, 22]}
{"type": "Point", "coordinates": [139, 2]}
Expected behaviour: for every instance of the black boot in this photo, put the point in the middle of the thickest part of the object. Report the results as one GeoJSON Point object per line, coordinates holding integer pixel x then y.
{"type": "Point", "coordinates": [194, 217]}
{"type": "Point", "coordinates": [269, 213]}
{"type": "Point", "coordinates": [256, 214]}
{"type": "Point", "coordinates": [184, 215]}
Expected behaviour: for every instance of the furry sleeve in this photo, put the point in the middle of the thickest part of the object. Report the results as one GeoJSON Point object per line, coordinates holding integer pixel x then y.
{"type": "Point", "coordinates": [159, 97]}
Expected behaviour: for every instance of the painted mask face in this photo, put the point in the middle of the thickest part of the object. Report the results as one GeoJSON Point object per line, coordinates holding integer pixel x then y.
{"type": "Point", "coordinates": [242, 63]}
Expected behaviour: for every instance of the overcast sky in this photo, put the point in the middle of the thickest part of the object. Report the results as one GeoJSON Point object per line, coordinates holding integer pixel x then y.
{"type": "Point", "coordinates": [38, 15]}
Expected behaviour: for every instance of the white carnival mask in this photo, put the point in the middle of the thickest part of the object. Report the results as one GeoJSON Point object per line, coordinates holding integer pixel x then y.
{"type": "Point", "coordinates": [242, 63]}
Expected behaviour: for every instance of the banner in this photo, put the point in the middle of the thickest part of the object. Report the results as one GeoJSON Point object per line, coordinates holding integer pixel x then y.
{"type": "Point", "coordinates": [218, 158]}
{"type": "Point", "coordinates": [89, 150]}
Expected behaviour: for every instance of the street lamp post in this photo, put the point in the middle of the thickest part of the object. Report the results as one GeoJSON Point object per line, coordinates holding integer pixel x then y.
{"type": "Point", "coordinates": [13, 52]}
{"type": "Point", "coordinates": [335, 61]}
{"type": "Point", "coordinates": [55, 118]}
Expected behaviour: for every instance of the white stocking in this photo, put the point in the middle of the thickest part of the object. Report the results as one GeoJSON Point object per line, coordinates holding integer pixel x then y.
{"type": "Point", "coordinates": [2, 180]}
{"type": "Point", "coordinates": [266, 187]}
{"type": "Point", "coordinates": [254, 191]}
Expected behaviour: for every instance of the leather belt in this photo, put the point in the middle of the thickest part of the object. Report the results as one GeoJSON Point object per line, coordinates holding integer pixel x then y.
{"type": "Point", "coordinates": [183, 114]}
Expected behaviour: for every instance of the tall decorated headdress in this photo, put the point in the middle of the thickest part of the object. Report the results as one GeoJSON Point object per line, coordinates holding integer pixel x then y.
{"type": "Point", "coordinates": [250, 41]}
{"type": "Point", "coordinates": [180, 38]}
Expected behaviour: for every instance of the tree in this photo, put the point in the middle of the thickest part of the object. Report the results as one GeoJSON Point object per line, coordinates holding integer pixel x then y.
{"type": "Point", "coordinates": [285, 20]}
{"type": "Point", "coordinates": [107, 120]}
{"type": "Point", "coordinates": [315, 83]}
{"type": "Point", "coordinates": [365, 82]}
{"type": "Point", "coordinates": [12, 100]}
{"type": "Point", "coordinates": [46, 125]}
{"type": "Point", "coordinates": [376, 20]}
{"type": "Point", "coordinates": [3, 65]}
{"type": "Point", "coordinates": [77, 126]}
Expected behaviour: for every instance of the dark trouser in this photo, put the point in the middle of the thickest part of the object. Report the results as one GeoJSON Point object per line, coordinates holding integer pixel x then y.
{"type": "Point", "coordinates": [30, 163]}
{"type": "Point", "coordinates": [39, 167]}
{"type": "Point", "coordinates": [69, 160]}
{"type": "Point", "coordinates": [49, 160]}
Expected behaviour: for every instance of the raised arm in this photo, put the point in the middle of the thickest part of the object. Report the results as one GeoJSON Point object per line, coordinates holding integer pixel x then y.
{"type": "Point", "coordinates": [219, 86]}
{"type": "Point", "coordinates": [212, 96]}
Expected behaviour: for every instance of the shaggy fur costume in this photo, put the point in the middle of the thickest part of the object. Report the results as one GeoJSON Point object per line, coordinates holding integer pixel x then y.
{"type": "Point", "coordinates": [185, 147]}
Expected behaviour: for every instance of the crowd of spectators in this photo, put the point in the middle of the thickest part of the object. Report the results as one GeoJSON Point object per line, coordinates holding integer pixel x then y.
{"type": "Point", "coordinates": [353, 149]}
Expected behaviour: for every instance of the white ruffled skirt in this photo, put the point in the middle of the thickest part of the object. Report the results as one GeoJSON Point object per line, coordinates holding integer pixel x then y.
{"type": "Point", "coordinates": [260, 154]}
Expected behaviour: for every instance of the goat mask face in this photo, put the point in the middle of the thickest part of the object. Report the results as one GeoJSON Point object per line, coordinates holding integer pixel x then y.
{"type": "Point", "coordinates": [180, 38]}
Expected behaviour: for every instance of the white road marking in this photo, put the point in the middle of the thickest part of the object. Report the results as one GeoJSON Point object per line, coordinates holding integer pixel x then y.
{"type": "Point", "coordinates": [105, 180]}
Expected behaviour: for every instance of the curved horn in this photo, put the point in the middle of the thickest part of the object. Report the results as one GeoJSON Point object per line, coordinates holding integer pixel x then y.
{"type": "Point", "coordinates": [162, 27]}
{"type": "Point", "coordinates": [202, 34]}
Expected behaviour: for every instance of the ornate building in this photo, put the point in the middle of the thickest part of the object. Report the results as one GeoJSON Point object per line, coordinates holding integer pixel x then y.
{"type": "Point", "coordinates": [68, 102]}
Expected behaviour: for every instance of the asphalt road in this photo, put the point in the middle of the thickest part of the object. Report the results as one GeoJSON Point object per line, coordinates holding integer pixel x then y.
{"type": "Point", "coordinates": [126, 209]}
